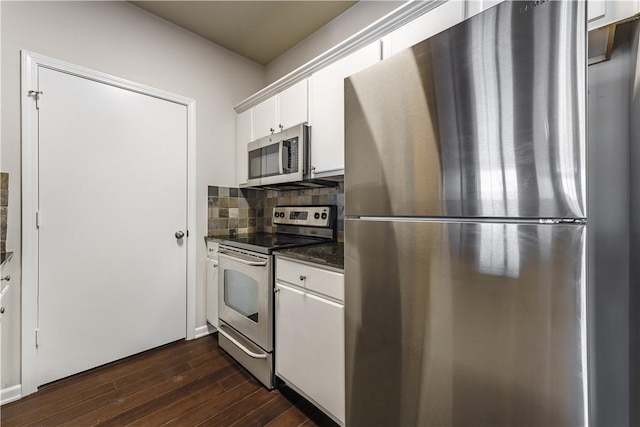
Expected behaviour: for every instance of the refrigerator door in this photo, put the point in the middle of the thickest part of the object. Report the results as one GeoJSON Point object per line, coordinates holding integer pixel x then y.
{"type": "Point", "coordinates": [486, 119]}
{"type": "Point", "coordinates": [465, 324]}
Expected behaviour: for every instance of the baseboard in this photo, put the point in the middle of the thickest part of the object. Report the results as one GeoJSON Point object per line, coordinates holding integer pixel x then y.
{"type": "Point", "coordinates": [205, 330]}
{"type": "Point", "coordinates": [10, 394]}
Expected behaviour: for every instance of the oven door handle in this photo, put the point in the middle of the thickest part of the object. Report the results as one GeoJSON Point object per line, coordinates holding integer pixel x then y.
{"type": "Point", "coordinates": [240, 346]}
{"type": "Point", "coordinates": [280, 162]}
{"type": "Point", "coordinates": [242, 260]}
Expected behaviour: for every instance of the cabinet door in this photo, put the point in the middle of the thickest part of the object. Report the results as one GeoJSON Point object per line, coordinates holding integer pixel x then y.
{"type": "Point", "coordinates": [293, 105]}
{"type": "Point", "coordinates": [264, 118]}
{"type": "Point", "coordinates": [244, 135]}
{"type": "Point", "coordinates": [476, 6]}
{"type": "Point", "coordinates": [605, 12]}
{"type": "Point", "coordinates": [310, 347]}
{"type": "Point", "coordinates": [596, 9]}
{"type": "Point", "coordinates": [327, 109]}
{"type": "Point", "coordinates": [431, 23]}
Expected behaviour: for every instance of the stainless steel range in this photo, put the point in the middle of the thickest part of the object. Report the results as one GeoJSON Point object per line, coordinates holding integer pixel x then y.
{"type": "Point", "coordinates": [245, 304]}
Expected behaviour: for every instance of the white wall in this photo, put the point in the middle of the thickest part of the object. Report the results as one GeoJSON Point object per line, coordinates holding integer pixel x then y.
{"type": "Point", "coordinates": [354, 19]}
{"type": "Point", "coordinates": [119, 39]}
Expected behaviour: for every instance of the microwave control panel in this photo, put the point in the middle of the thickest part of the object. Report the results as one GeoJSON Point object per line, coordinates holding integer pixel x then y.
{"type": "Point", "coordinates": [312, 216]}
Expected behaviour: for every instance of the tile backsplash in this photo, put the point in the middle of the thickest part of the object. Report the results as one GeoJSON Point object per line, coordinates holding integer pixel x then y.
{"type": "Point", "coordinates": [244, 211]}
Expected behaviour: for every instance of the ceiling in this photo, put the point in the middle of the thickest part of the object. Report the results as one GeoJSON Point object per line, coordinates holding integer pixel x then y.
{"type": "Point", "coordinates": [258, 30]}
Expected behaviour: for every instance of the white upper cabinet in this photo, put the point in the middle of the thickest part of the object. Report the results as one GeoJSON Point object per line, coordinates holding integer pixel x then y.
{"type": "Point", "coordinates": [327, 109]}
{"type": "Point", "coordinates": [264, 118]}
{"type": "Point", "coordinates": [605, 12]}
{"type": "Point", "coordinates": [244, 135]}
{"type": "Point", "coordinates": [284, 110]}
{"type": "Point", "coordinates": [476, 6]}
{"type": "Point", "coordinates": [293, 105]}
{"type": "Point", "coordinates": [442, 17]}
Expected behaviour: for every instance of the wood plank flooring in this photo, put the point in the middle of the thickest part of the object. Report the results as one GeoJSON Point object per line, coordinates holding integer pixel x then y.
{"type": "Point", "coordinates": [186, 383]}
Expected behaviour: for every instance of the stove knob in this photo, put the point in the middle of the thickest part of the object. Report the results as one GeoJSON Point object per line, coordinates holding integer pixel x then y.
{"type": "Point", "coordinates": [316, 215]}
{"type": "Point", "coordinates": [324, 215]}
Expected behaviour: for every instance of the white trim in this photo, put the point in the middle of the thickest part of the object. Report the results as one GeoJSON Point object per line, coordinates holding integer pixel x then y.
{"type": "Point", "coordinates": [29, 232]}
{"type": "Point", "coordinates": [191, 219]}
{"type": "Point", "coordinates": [383, 26]}
{"type": "Point", "coordinates": [10, 394]}
{"type": "Point", "coordinates": [203, 331]}
{"type": "Point", "coordinates": [30, 63]}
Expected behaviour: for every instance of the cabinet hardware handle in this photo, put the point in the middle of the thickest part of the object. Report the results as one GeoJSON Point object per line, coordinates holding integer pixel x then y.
{"type": "Point", "coordinates": [272, 130]}
{"type": "Point", "coordinates": [179, 234]}
{"type": "Point", "coordinates": [303, 277]}
{"type": "Point", "coordinates": [1, 310]}
{"type": "Point", "coordinates": [276, 290]}
{"type": "Point", "coordinates": [7, 278]}
{"type": "Point", "coordinates": [281, 127]}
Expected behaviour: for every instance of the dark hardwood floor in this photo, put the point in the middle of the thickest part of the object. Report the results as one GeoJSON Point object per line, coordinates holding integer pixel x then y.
{"type": "Point", "coordinates": [186, 383]}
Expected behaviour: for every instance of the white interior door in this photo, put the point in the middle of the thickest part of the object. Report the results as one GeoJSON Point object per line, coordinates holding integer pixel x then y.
{"type": "Point", "coordinates": [112, 193]}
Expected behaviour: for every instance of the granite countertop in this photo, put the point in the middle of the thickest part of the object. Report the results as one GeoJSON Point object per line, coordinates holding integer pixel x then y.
{"type": "Point", "coordinates": [324, 255]}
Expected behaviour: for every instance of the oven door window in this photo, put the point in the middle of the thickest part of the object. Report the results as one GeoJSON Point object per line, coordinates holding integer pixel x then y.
{"type": "Point", "coordinates": [241, 294]}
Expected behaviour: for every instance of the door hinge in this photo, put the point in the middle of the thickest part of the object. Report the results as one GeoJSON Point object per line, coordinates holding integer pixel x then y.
{"type": "Point", "coordinates": [37, 338]}
{"type": "Point", "coordinates": [36, 94]}
{"type": "Point", "coordinates": [37, 219]}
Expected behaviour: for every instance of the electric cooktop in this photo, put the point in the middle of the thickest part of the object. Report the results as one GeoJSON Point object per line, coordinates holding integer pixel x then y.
{"type": "Point", "coordinates": [296, 226]}
{"type": "Point", "coordinates": [266, 243]}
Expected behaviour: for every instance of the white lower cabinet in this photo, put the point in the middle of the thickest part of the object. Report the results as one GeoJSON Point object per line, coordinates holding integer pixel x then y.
{"type": "Point", "coordinates": [309, 334]}
{"type": "Point", "coordinates": [212, 283]}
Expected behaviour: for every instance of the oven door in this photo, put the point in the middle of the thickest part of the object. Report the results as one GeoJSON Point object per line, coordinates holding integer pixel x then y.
{"type": "Point", "coordinates": [246, 294]}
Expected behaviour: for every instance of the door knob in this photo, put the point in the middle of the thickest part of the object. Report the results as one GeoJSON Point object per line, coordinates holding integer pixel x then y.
{"type": "Point", "coordinates": [179, 234]}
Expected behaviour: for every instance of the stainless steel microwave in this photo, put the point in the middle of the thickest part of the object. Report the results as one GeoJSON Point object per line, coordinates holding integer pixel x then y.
{"type": "Point", "coordinates": [281, 157]}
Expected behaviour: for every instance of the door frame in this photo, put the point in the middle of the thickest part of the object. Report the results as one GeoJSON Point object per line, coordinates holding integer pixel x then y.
{"type": "Point", "coordinates": [30, 62]}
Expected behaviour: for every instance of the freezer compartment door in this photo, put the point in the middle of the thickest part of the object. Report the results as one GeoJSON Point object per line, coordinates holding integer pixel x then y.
{"type": "Point", "coordinates": [464, 324]}
{"type": "Point", "coordinates": [486, 119]}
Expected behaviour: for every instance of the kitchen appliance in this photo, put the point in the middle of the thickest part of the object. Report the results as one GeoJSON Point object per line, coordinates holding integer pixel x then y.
{"type": "Point", "coordinates": [280, 157]}
{"type": "Point", "coordinates": [465, 231]}
{"type": "Point", "coordinates": [246, 276]}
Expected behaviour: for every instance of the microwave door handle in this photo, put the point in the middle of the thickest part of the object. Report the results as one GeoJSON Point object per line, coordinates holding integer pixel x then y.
{"type": "Point", "coordinates": [244, 261]}
{"type": "Point", "coordinates": [280, 162]}
{"type": "Point", "coordinates": [243, 348]}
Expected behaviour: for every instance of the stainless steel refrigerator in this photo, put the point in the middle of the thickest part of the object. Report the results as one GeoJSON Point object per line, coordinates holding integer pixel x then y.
{"type": "Point", "coordinates": [465, 233]}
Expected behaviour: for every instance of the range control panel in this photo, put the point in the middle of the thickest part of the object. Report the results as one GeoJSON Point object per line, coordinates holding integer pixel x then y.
{"type": "Point", "coordinates": [312, 216]}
